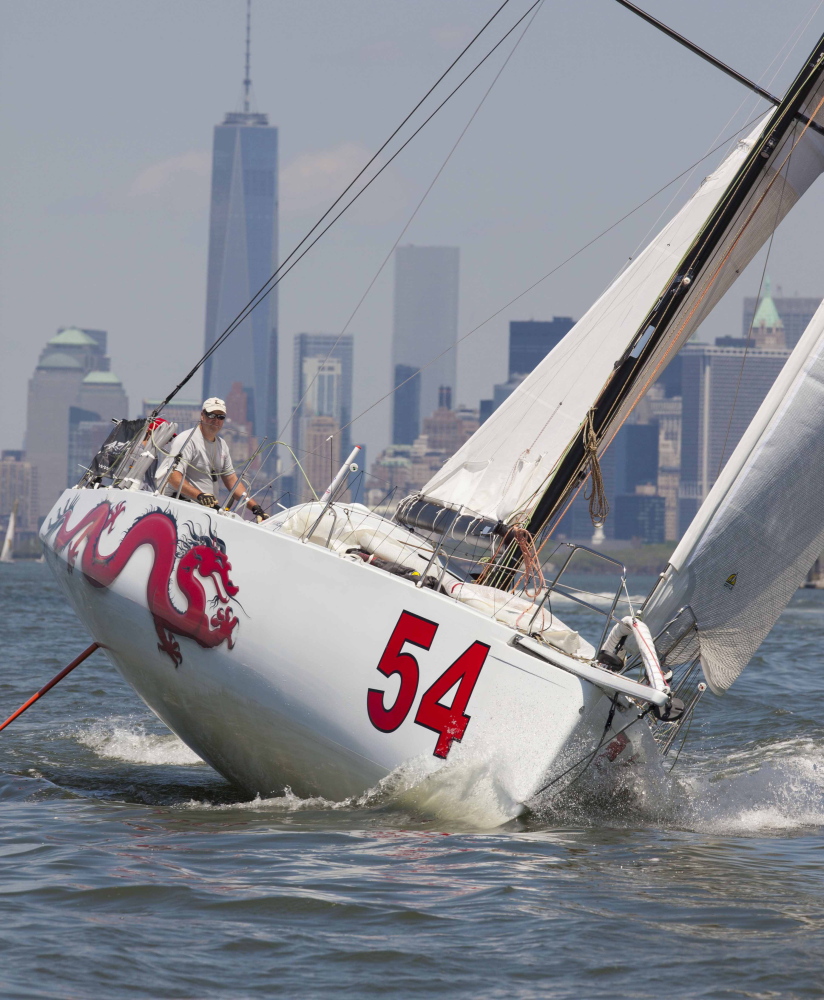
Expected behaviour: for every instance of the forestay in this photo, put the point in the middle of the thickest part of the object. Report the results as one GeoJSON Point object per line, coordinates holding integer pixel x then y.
{"type": "Point", "coordinates": [760, 529]}
{"type": "Point", "coordinates": [502, 470]}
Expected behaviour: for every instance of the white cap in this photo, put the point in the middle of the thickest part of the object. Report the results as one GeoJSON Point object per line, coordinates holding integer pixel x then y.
{"type": "Point", "coordinates": [212, 404]}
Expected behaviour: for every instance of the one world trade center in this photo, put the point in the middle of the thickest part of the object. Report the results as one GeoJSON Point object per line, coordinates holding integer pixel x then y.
{"type": "Point", "coordinates": [243, 250]}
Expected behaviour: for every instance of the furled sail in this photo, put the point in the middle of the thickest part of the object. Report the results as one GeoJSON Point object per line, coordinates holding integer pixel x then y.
{"type": "Point", "coordinates": [529, 456]}
{"type": "Point", "coordinates": [760, 529]}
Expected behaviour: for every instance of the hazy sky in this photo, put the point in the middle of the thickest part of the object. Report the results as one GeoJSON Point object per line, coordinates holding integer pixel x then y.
{"type": "Point", "coordinates": [107, 115]}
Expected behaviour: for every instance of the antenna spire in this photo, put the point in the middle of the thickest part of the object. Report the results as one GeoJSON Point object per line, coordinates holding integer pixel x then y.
{"type": "Point", "coordinates": [247, 81]}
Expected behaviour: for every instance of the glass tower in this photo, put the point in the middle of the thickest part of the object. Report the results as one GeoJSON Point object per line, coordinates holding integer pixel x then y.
{"type": "Point", "coordinates": [243, 252]}
{"type": "Point", "coordinates": [425, 326]}
{"type": "Point", "coordinates": [322, 386]}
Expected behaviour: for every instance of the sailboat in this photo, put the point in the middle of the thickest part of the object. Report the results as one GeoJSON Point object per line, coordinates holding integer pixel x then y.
{"type": "Point", "coordinates": [7, 551]}
{"type": "Point", "coordinates": [331, 649]}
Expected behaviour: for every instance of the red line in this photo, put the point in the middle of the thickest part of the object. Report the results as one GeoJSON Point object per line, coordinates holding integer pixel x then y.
{"type": "Point", "coordinates": [47, 687]}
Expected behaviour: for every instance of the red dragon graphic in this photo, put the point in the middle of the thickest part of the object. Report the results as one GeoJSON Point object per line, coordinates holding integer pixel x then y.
{"type": "Point", "coordinates": [199, 555]}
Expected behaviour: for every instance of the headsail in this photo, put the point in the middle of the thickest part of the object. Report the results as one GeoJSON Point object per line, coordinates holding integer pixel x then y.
{"type": "Point", "coordinates": [527, 458]}
{"type": "Point", "coordinates": [760, 529]}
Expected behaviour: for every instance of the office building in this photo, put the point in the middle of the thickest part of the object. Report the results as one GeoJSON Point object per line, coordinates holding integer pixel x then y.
{"type": "Point", "coordinates": [243, 251]}
{"type": "Point", "coordinates": [425, 328]}
{"type": "Point", "coordinates": [73, 372]}
{"type": "Point", "coordinates": [320, 457]}
{"type": "Point", "coordinates": [531, 340]}
{"type": "Point", "coordinates": [447, 429]}
{"type": "Point", "coordinates": [322, 387]}
{"type": "Point", "coordinates": [722, 390]}
{"type": "Point", "coordinates": [183, 412]}
{"type": "Point", "coordinates": [18, 483]}
{"type": "Point", "coordinates": [636, 456]}
{"type": "Point", "coordinates": [795, 314]}
{"type": "Point", "coordinates": [406, 404]}
{"type": "Point", "coordinates": [640, 517]}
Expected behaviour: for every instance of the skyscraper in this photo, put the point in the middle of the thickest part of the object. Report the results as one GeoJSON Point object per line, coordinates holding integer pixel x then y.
{"type": "Point", "coordinates": [723, 388]}
{"type": "Point", "coordinates": [425, 325]}
{"type": "Point", "coordinates": [795, 314]}
{"type": "Point", "coordinates": [531, 340]}
{"type": "Point", "coordinates": [72, 384]}
{"type": "Point", "coordinates": [322, 387]}
{"type": "Point", "coordinates": [406, 404]}
{"type": "Point", "coordinates": [243, 250]}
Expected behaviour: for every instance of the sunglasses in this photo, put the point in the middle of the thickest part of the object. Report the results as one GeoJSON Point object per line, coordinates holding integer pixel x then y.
{"type": "Point", "coordinates": [215, 416]}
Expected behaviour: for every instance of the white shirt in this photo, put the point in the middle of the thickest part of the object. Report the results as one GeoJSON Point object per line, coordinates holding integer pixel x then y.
{"type": "Point", "coordinates": [203, 463]}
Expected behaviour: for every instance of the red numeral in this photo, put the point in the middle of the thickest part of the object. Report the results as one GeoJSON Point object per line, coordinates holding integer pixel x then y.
{"type": "Point", "coordinates": [419, 632]}
{"type": "Point", "coordinates": [451, 722]}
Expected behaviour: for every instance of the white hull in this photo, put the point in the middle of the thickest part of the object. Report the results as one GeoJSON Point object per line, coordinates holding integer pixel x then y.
{"type": "Point", "coordinates": [287, 704]}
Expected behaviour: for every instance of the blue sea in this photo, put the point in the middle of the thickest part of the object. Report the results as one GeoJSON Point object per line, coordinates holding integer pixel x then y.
{"type": "Point", "coordinates": [131, 869]}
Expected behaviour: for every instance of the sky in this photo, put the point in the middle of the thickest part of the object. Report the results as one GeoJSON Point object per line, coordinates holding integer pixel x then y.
{"type": "Point", "coordinates": [106, 116]}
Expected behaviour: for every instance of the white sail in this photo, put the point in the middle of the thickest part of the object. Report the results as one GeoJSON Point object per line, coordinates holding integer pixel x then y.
{"type": "Point", "coordinates": [508, 462]}
{"type": "Point", "coordinates": [760, 529]}
{"type": "Point", "coordinates": [7, 552]}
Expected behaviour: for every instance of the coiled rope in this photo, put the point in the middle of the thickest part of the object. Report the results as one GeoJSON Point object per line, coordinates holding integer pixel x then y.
{"type": "Point", "coordinates": [597, 496]}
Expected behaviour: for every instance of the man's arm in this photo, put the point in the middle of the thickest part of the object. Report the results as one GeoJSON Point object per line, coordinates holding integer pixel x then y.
{"type": "Point", "coordinates": [237, 491]}
{"type": "Point", "coordinates": [186, 490]}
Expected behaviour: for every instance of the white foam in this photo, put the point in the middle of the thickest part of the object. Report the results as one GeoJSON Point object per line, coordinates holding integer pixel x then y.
{"type": "Point", "coordinates": [466, 796]}
{"type": "Point", "coordinates": [780, 787]}
{"type": "Point", "coordinates": [127, 739]}
{"type": "Point", "coordinates": [286, 803]}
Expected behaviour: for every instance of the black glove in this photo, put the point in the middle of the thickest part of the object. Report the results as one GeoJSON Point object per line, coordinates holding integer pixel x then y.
{"type": "Point", "coordinates": [206, 499]}
{"type": "Point", "coordinates": [259, 512]}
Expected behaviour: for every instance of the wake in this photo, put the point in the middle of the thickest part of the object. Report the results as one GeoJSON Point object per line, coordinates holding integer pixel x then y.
{"type": "Point", "coordinates": [775, 788]}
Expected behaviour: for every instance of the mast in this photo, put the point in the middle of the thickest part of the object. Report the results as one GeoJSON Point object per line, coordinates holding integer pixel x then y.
{"type": "Point", "coordinates": [247, 77]}
{"type": "Point", "coordinates": [711, 59]}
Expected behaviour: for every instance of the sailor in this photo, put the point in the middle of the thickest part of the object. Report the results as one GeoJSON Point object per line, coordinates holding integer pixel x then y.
{"type": "Point", "coordinates": [198, 459]}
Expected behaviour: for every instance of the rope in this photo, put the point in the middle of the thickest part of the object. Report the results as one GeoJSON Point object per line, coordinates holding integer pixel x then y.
{"type": "Point", "coordinates": [533, 575]}
{"type": "Point", "coordinates": [597, 496]}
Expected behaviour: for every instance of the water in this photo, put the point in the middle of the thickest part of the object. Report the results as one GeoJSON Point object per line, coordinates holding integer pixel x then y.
{"type": "Point", "coordinates": [131, 869]}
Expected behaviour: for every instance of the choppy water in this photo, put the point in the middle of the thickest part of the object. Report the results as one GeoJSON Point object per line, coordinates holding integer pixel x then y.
{"type": "Point", "coordinates": [131, 869]}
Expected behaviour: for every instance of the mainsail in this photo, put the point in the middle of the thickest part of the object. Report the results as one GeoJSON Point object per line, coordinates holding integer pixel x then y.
{"type": "Point", "coordinates": [527, 459]}
{"type": "Point", "coordinates": [760, 529]}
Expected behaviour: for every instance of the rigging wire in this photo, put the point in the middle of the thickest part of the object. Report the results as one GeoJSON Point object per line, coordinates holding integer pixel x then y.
{"type": "Point", "coordinates": [549, 273]}
{"type": "Point", "coordinates": [588, 758]}
{"type": "Point", "coordinates": [745, 225]}
{"type": "Point", "coordinates": [790, 46]}
{"type": "Point", "coordinates": [749, 332]}
{"type": "Point", "coordinates": [415, 211]}
{"type": "Point", "coordinates": [279, 273]}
